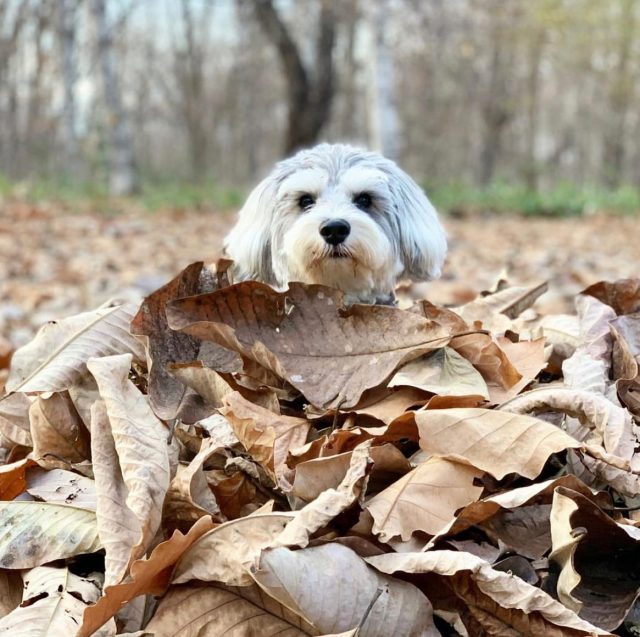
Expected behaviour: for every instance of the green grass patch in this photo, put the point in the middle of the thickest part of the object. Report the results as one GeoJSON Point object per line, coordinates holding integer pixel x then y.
{"type": "Point", "coordinates": [563, 200]}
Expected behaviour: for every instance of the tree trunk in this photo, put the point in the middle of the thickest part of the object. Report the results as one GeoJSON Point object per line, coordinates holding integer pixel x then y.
{"type": "Point", "coordinates": [67, 38]}
{"type": "Point", "coordinates": [309, 91]}
{"type": "Point", "coordinates": [383, 117]}
{"type": "Point", "coordinates": [620, 96]}
{"type": "Point", "coordinates": [123, 177]}
{"type": "Point", "coordinates": [533, 107]}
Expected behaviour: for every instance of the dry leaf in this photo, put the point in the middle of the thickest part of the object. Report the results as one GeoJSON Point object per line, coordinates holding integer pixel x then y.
{"type": "Point", "coordinates": [14, 419]}
{"type": "Point", "coordinates": [331, 587]}
{"type": "Point", "coordinates": [166, 393]}
{"type": "Point", "coordinates": [59, 435]}
{"type": "Point", "coordinates": [423, 500]}
{"type": "Point", "coordinates": [613, 424]}
{"type": "Point", "coordinates": [266, 436]}
{"type": "Point", "coordinates": [131, 463]}
{"type": "Point", "coordinates": [57, 357]}
{"type": "Point", "coordinates": [12, 478]}
{"type": "Point", "coordinates": [443, 372]}
{"type": "Point", "coordinates": [218, 610]}
{"type": "Point", "coordinates": [598, 558]}
{"type": "Point", "coordinates": [38, 532]}
{"type": "Point", "coordinates": [226, 553]}
{"type": "Point", "coordinates": [622, 295]}
{"type": "Point", "coordinates": [11, 587]}
{"type": "Point", "coordinates": [330, 502]}
{"type": "Point", "coordinates": [494, 441]}
{"type": "Point", "coordinates": [148, 576]}
{"type": "Point", "coordinates": [53, 602]}
{"type": "Point", "coordinates": [522, 609]}
{"type": "Point", "coordinates": [352, 349]}
{"type": "Point", "coordinates": [63, 487]}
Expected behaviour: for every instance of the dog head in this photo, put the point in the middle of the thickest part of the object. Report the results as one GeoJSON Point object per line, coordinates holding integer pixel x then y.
{"type": "Point", "coordinates": [342, 217]}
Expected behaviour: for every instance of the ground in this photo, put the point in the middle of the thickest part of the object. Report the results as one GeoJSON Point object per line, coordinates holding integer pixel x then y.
{"type": "Point", "coordinates": [56, 261]}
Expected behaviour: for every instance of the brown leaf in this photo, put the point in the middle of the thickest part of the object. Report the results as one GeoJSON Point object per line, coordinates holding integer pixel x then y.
{"type": "Point", "coordinates": [494, 441]}
{"type": "Point", "coordinates": [599, 558]}
{"type": "Point", "coordinates": [425, 499]}
{"type": "Point", "coordinates": [528, 357]}
{"type": "Point", "coordinates": [131, 463]}
{"type": "Point", "coordinates": [495, 600]}
{"type": "Point", "coordinates": [148, 576]}
{"type": "Point", "coordinates": [622, 295]}
{"type": "Point", "coordinates": [14, 419]}
{"type": "Point", "coordinates": [163, 345]}
{"type": "Point", "coordinates": [515, 516]}
{"type": "Point", "coordinates": [59, 435]}
{"type": "Point", "coordinates": [266, 436]}
{"type": "Point", "coordinates": [349, 349]}
{"type": "Point", "coordinates": [12, 478]}
{"type": "Point", "coordinates": [227, 553]}
{"type": "Point", "coordinates": [10, 591]}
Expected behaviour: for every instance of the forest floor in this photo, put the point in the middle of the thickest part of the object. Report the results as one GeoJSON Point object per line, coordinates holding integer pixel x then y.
{"type": "Point", "coordinates": [56, 261]}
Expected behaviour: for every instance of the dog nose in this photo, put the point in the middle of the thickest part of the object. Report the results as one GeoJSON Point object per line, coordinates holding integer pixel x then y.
{"type": "Point", "coordinates": [335, 231]}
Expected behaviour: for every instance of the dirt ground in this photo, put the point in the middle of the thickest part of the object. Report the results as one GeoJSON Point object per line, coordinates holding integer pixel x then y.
{"type": "Point", "coordinates": [56, 261]}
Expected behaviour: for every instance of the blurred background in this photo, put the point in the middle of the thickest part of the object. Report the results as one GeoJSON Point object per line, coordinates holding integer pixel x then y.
{"type": "Point", "coordinates": [130, 130]}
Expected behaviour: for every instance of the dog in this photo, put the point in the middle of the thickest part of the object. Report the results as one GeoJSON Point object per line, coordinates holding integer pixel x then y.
{"type": "Point", "coordinates": [342, 217]}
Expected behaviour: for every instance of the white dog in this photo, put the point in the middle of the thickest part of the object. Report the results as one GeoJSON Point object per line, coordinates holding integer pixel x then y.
{"type": "Point", "coordinates": [339, 216]}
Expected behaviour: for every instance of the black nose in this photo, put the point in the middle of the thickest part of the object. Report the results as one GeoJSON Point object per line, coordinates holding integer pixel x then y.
{"type": "Point", "coordinates": [335, 231]}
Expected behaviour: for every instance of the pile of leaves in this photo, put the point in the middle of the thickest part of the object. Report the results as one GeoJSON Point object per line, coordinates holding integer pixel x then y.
{"type": "Point", "coordinates": [228, 459]}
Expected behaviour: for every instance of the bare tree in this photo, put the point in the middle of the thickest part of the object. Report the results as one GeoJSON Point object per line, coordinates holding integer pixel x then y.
{"type": "Point", "coordinates": [310, 89]}
{"type": "Point", "coordinates": [123, 177]}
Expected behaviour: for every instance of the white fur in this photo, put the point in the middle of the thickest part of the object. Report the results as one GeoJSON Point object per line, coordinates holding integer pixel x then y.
{"type": "Point", "coordinates": [276, 242]}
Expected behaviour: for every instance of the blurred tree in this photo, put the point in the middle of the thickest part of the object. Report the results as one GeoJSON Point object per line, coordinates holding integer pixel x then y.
{"type": "Point", "coordinates": [67, 16]}
{"type": "Point", "coordinates": [310, 88]}
{"type": "Point", "coordinates": [123, 175]}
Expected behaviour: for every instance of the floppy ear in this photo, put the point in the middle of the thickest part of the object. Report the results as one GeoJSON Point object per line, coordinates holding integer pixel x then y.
{"type": "Point", "coordinates": [249, 242]}
{"type": "Point", "coordinates": [422, 239]}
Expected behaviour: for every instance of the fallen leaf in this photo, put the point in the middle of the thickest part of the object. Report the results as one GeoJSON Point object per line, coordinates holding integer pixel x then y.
{"type": "Point", "coordinates": [12, 478]}
{"type": "Point", "coordinates": [14, 419]}
{"type": "Point", "coordinates": [63, 487]}
{"type": "Point", "coordinates": [425, 499]}
{"type": "Point", "coordinates": [598, 559]}
{"type": "Point", "coordinates": [164, 345]}
{"type": "Point", "coordinates": [218, 610]}
{"type": "Point", "coordinates": [131, 464]}
{"type": "Point", "coordinates": [266, 436]}
{"type": "Point", "coordinates": [38, 532]}
{"type": "Point", "coordinates": [528, 357]}
{"type": "Point", "coordinates": [53, 602]}
{"type": "Point", "coordinates": [148, 576]}
{"type": "Point", "coordinates": [443, 372]}
{"type": "Point", "coordinates": [59, 435]}
{"type": "Point", "coordinates": [352, 349]}
{"type": "Point", "coordinates": [622, 295]}
{"type": "Point", "coordinates": [331, 587]}
{"type": "Point", "coordinates": [11, 587]}
{"type": "Point", "coordinates": [493, 441]}
{"type": "Point", "coordinates": [501, 599]}
{"type": "Point", "coordinates": [226, 554]}
{"type": "Point", "coordinates": [57, 357]}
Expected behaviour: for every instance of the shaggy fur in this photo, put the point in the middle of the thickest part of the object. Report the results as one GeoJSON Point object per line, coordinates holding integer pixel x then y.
{"type": "Point", "coordinates": [277, 239]}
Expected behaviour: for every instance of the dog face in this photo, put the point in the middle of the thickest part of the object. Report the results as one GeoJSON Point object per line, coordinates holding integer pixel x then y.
{"type": "Point", "coordinates": [342, 217]}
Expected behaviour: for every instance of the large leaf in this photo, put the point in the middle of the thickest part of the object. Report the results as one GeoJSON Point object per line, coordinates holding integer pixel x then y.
{"type": "Point", "coordinates": [332, 354]}
{"type": "Point", "coordinates": [423, 500]}
{"type": "Point", "coordinates": [331, 587]}
{"type": "Point", "coordinates": [131, 463]}
{"type": "Point", "coordinates": [166, 393]}
{"type": "Point", "coordinates": [53, 602]}
{"type": "Point", "coordinates": [218, 611]}
{"type": "Point", "coordinates": [57, 357]}
{"type": "Point", "coordinates": [38, 532]}
{"type": "Point", "coordinates": [492, 598]}
{"type": "Point", "coordinates": [494, 441]}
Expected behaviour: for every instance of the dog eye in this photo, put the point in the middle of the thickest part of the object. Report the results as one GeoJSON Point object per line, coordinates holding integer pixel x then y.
{"type": "Point", "coordinates": [363, 201]}
{"type": "Point", "coordinates": [306, 201]}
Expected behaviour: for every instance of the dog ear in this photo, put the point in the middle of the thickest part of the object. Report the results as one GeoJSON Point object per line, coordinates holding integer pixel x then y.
{"type": "Point", "coordinates": [422, 239]}
{"type": "Point", "coordinates": [249, 242]}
